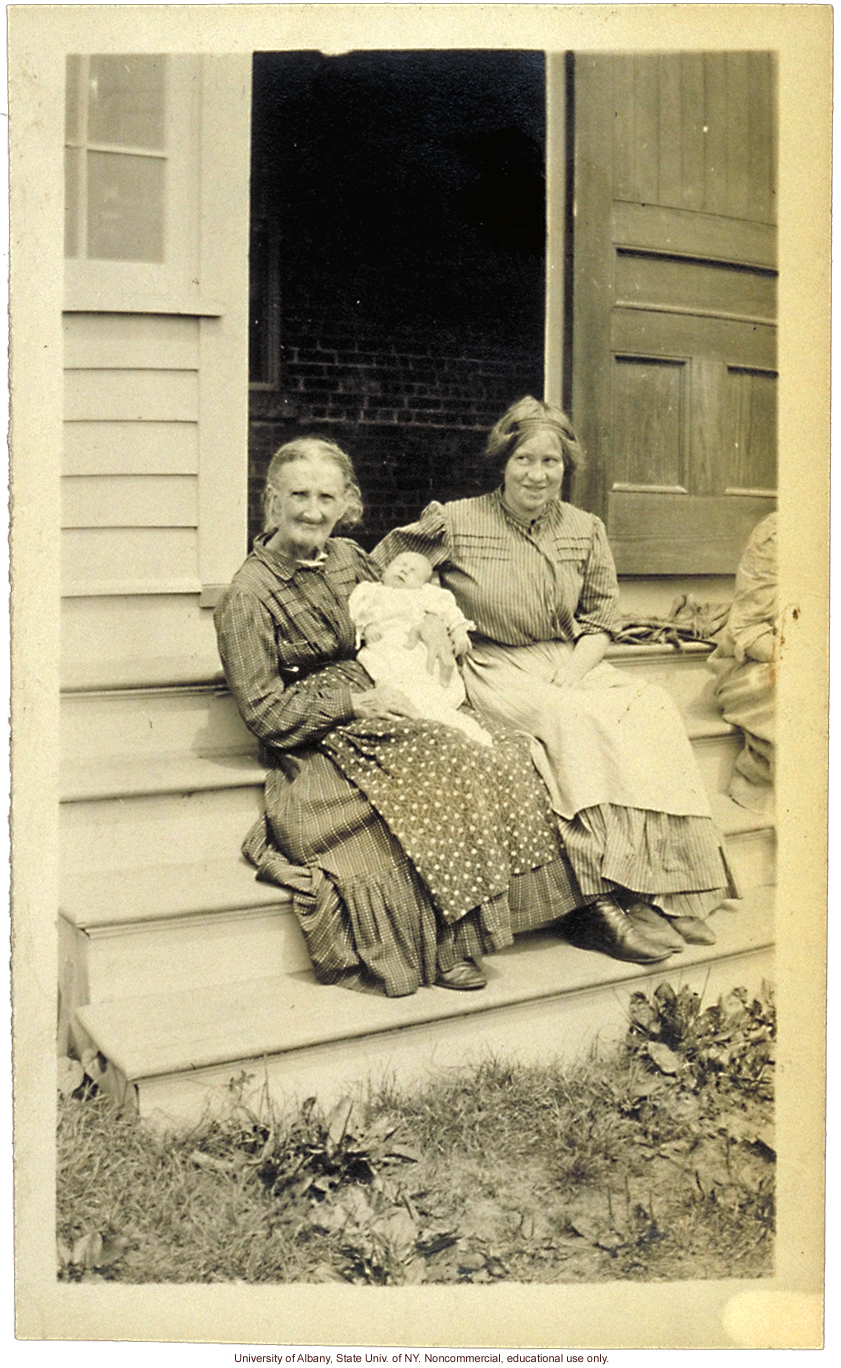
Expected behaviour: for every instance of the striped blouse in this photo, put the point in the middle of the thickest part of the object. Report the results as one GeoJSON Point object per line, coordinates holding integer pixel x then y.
{"type": "Point", "coordinates": [288, 644]}
{"type": "Point", "coordinates": [551, 579]}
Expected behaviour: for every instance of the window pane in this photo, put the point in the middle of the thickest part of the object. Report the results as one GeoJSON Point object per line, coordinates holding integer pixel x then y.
{"type": "Point", "coordinates": [126, 101]}
{"type": "Point", "coordinates": [125, 207]}
{"type": "Point", "coordinates": [72, 131]}
{"type": "Point", "coordinates": [71, 201]}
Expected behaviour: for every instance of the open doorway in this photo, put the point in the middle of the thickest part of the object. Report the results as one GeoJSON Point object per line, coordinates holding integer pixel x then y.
{"type": "Point", "coordinates": [397, 262]}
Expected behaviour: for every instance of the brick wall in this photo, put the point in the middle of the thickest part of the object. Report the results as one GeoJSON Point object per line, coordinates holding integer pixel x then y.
{"type": "Point", "coordinates": [412, 412]}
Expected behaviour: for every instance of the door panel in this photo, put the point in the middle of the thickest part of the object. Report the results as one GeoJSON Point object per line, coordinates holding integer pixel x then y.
{"type": "Point", "coordinates": [658, 333]}
{"type": "Point", "coordinates": [674, 303]}
{"type": "Point", "coordinates": [649, 423]}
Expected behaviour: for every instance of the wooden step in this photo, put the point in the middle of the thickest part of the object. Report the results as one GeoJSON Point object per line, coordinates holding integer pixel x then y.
{"type": "Point", "coordinates": [158, 928]}
{"type": "Point", "coordinates": [158, 829]}
{"type": "Point", "coordinates": [131, 776]}
{"type": "Point", "coordinates": [683, 671]}
{"type": "Point", "coordinates": [203, 719]}
{"type": "Point", "coordinates": [145, 776]}
{"type": "Point", "coordinates": [643, 596]}
{"type": "Point", "coordinates": [750, 843]}
{"type": "Point", "coordinates": [176, 1054]}
{"type": "Point", "coordinates": [127, 931]}
{"type": "Point", "coordinates": [162, 791]}
{"type": "Point", "coordinates": [138, 775]}
{"type": "Point", "coordinates": [139, 811]}
{"type": "Point", "coordinates": [180, 720]}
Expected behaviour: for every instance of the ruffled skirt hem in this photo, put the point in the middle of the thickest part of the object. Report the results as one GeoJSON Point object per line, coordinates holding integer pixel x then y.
{"type": "Point", "coordinates": [379, 933]}
{"type": "Point", "coordinates": [677, 863]}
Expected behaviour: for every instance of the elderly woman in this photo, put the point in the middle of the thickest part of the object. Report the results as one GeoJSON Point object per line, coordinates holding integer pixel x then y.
{"type": "Point", "coordinates": [414, 849]}
{"type": "Point", "coordinates": [537, 577]}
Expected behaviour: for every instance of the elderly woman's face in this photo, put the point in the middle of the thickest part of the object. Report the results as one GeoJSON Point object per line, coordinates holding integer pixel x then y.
{"type": "Point", "coordinates": [533, 474]}
{"type": "Point", "coordinates": [308, 501]}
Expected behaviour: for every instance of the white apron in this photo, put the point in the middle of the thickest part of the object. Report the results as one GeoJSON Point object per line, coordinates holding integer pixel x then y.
{"type": "Point", "coordinates": [613, 738]}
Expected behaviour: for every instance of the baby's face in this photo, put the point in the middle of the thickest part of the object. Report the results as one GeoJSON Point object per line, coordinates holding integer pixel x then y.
{"type": "Point", "coordinates": [407, 571]}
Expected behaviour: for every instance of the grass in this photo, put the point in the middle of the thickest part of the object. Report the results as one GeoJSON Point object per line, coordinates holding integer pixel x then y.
{"type": "Point", "coordinates": [656, 1163]}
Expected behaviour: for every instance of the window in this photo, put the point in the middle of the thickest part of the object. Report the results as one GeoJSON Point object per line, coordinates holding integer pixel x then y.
{"type": "Point", "coordinates": [130, 180]}
{"type": "Point", "coordinates": [115, 158]}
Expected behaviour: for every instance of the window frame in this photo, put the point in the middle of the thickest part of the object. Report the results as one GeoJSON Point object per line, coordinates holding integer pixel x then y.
{"type": "Point", "coordinates": [173, 285]}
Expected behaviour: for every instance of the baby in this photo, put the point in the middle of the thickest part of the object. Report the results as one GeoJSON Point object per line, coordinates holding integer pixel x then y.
{"type": "Point", "coordinates": [386, 616]}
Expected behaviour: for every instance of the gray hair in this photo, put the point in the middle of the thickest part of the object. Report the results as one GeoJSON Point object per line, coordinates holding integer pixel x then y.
{"type": "Point", "coordinates": [307, 449]}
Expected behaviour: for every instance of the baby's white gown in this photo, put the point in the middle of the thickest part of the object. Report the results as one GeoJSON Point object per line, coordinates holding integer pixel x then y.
{"type": "Point", "coordinates": [388, 661]}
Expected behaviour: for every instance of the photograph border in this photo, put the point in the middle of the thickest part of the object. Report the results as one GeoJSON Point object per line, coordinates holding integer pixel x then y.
{"type": "Point", "coordinates": [784, 1311]}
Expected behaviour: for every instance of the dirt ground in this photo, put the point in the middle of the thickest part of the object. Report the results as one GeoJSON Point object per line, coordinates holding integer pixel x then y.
{"type": "Point", "coordinates": [656, 1163]}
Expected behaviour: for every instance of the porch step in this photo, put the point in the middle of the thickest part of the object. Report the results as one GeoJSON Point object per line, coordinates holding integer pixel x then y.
{"type": "Point", "coordinates": [139, 776]}
{"type": "Point", "coordinates": [199, 719]}
{"type": "Point", "coordinates": [642, 596]}
{"type": "Point", "coordinates": [131, 776]}
{"type": "Point", "coordinates": [749, 840]}
{"type": "Point", "coordinates": [130, 932]}
{"type": "Point", "coordinates": [176, 1053]}
{"type": "Point", "coordinates": [157, 829]}
{"type": "Point", "coordinates": [153, 810]}
{"type": "Point", "coordinates": [205, 921]}
{"type": "Point", "coordinates": [683, 671]}
{"type": "Point", "coordinates": [202, 719]}
{"type": "Point", "coordinates": [138, 811]}
{"type": "Point", "coordinates": [140, 805]}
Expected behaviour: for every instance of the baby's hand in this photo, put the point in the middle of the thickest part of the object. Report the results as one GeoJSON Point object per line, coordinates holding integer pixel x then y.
{"type": "Point", "coordinates": [373, 633]}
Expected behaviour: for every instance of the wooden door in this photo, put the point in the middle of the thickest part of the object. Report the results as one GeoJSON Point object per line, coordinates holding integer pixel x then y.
{"type": "Point", "coordinates": [674, 303]}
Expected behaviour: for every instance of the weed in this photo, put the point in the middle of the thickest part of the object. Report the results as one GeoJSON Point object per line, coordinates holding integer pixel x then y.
{"type": "Point", "coordinates": [656, 1162]}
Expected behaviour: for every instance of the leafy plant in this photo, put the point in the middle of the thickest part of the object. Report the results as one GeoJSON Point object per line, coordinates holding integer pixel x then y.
{"type": "Point", "coordinates": [728, 1045]}
{"type": "Point", "coordinates": [655, 1161]}
{"type": "Point", "coordinates": [88, 1255]}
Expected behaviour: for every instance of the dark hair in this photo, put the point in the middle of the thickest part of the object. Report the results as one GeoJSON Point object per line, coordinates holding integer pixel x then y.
{"type": "Point", "coordinates": [520, 421]}
{"type": "Point", "coordinates": [307, 449]}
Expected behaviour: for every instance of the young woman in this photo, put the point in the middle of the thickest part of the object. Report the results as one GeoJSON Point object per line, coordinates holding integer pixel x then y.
{"type": "Point", "coordinates": [537, 577]}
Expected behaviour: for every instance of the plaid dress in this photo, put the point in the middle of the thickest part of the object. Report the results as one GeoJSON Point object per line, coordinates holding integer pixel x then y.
{"type": "Point", "coordinates": [407, 847]}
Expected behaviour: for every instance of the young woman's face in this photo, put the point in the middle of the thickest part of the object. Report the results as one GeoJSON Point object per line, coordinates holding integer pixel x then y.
{"type": "Point", "coordinates": [308, 501]}
{"type": "Point", "coordinates": [533, 474]}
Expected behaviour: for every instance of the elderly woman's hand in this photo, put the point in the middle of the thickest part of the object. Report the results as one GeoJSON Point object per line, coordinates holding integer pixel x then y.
{"type": "Point", "coordinates": [383, 701]}
{"type": "Point", "coordinates": [439, 649]}
{"type": "Point", "coordinates": [460, 641]}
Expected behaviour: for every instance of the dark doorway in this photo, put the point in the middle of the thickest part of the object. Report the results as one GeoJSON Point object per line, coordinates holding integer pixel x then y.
{"type": "Point", "coordinates": [397, 262]}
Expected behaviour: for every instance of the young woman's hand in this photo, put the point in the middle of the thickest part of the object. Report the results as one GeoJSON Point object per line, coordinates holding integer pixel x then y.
{"type": "Point", "coordinates": [586, 654]}
{"type": "Point", "coordinates": [383, 701]}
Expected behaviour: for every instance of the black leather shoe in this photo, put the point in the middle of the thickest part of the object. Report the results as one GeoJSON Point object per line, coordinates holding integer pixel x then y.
{"type": "Point", "coordinates": [602, 925]}
{"type": "Point", "coordinates": [465, 976]}
{"type": "Point", "coordinates": [653, 925]}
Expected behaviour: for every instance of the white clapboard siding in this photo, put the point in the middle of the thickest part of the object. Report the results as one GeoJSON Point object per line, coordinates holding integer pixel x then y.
{"type": "Point", "coordinates": [94, 341]}
{"type": "Point", "coordinates": [130, 449]}
{"type": "Point", "coordinates": [132, 395]}
{"type": "Point", "coordinates": [123, 560]}
{"type": "Point", "coordinates": [129, 501]}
